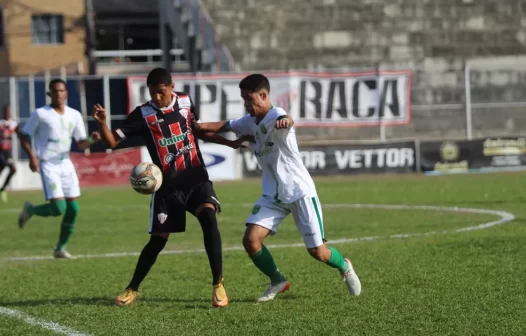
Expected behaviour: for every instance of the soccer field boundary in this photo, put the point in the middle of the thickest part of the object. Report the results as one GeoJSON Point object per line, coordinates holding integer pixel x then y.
{"type": "Point", "coordinates": [49, 325]}
{"type": "Point", "coordinates": [504, 217]}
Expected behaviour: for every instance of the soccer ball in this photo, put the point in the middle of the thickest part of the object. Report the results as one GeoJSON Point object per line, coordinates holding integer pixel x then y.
{"type": "Point", "coordinates": [146, 178]}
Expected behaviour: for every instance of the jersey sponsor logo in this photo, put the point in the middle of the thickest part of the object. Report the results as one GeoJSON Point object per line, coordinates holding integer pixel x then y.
{"type": "Point", "coordinates": [170, 157]}
{"type": "Point", "coordinates": [164, 142]}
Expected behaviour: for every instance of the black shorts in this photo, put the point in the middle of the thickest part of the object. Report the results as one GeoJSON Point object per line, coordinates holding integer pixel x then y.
{"type": "Point", "coordinates": [6, 158]}
{"type": "Point", "coordinates": [169, 205]}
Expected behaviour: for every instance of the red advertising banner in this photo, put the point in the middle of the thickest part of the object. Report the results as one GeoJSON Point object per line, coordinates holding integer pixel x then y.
{"type": "Point", "coordinates": [100, 169]}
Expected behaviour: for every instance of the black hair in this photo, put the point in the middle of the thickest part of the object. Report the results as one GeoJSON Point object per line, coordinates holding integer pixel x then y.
{"type": "Point", "coordinates": [159, 76]}
{"type": "Point", "coordinates": [57, 81]}
{"type": "Point", "coordinates": [255, 82]}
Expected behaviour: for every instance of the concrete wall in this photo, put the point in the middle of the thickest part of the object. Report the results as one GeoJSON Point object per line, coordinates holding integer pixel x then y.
{"type": "Point", "coordinates": [433, 38]}
{"type": "Point", "coordinates": [283, 34]}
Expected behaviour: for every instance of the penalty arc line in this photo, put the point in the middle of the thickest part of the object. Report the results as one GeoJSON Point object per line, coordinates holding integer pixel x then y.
{"type": "Point", "coordinates": [505, 217]}
{"type": "Point", "coordinates": [49, 325]}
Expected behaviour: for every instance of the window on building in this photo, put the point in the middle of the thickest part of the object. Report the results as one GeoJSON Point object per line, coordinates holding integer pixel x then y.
{"type": "Point", "coordinates": [47, 29]}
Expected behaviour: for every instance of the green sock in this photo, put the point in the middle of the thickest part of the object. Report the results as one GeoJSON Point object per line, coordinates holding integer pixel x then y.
{"type": "Point", "coordinates": [337, 261]}
{"type": "Point", "coordinates": [68, 224]}
{"type": "Point", "coordinates": [264, 261]}
{"type": "Point", "coordinates": [53, 208]}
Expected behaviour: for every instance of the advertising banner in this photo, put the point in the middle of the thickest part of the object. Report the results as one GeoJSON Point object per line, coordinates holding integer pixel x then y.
{"type": "Point", "coordinates": [349, 159]}
{"type": "Point", "coordinates": [344, 99]}
{"type": "Point", "coordinates": [100, 169]}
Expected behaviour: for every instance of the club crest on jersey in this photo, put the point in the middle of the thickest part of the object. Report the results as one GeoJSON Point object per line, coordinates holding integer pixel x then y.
{"type": "Point", "coordinates": [162, 217]}
{"type": "Point", "coordinates": [173, 140]}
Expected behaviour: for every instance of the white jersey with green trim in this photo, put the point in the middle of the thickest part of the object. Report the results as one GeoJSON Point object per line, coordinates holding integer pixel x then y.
{"type": "Point", "coordinates": [52, 132]}
{"type": "Point", "coordinates": [285, 178]}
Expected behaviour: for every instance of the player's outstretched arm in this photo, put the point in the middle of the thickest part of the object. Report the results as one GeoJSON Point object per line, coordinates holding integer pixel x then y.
{"type": "Point", "coordinates": [211, 127]}
{"type": "Point", "coordinates": [214, 138]}
{"type": "Point", "coordinates": [106, 135]}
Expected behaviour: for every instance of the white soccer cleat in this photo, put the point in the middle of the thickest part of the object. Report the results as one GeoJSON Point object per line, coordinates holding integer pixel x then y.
{"type": "Point", "coordinates": [61, 254]}
{"type": "Point", "coordinates": [351, 280]}
{"type": "Point", "coordinates": [274, 290]}
{"type": "Point", "coordinates": [24, 215]}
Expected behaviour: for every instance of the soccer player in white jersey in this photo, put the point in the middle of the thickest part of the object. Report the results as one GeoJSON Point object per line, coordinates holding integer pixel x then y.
{"type": "Point", "coordinates": [52, 127]}
{"type": "Point", "coordinates": [286, 184]}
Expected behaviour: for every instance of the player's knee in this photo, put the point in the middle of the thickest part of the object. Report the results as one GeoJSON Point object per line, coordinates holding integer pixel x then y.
{"type": "Point", "coordinates": [207, 218]}
{"type": "Point", "coordinates": [251, 243]}
{"type": "Point", "coordinates": [157, 242]}
{"type": "Point", "coordinates": [12, 169]}
{"type": "Point", "coordinates": [72, 208]}
{"type": "Point", "coordinates": [320, 253]}
{"type": "Point", "coordinates": [58, 207]}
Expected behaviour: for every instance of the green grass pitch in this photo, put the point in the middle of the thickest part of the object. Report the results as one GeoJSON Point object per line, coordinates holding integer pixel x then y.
{"type": "Point", "coordinates": [452, 283]}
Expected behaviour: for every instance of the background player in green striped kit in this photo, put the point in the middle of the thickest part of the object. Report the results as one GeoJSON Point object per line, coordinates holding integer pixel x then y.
{"type": "Point", "coordinates": [286, 184]}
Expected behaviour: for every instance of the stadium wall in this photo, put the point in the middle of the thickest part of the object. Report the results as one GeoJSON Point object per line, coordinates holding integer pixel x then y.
{"type": "Point", "coordinates": [337, 158]}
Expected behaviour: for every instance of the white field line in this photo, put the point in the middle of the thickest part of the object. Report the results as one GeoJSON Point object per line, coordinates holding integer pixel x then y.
{"type": "Point", "coordinates": [49, 325]}
{"type": "Point", "coordinates": [504, 217]}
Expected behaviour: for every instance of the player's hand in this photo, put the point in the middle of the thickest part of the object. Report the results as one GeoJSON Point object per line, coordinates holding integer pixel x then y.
{"type": "Point", "coordinates": [95, 136]}
{"type": "Point", "coordinates": [33, 164]}
{"type": "Point", "coordinates": [284, 123]}
{"type": "Point", "coordinates": [239, 142]}
{"type": "Point", "coordinates": [99, 113]}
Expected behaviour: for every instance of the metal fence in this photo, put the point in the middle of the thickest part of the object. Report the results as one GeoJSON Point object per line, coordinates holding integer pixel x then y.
{"type": "Point", "coordinates": [460, 100]}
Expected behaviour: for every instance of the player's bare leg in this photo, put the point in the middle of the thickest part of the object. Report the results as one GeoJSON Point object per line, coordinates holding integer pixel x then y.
{"type": "Point", "coordinates": [206, 214]}
{"type": "Point", "coordinates": [260, 255]}
{"type": "Point", "coordinates": [145, 262]}
{"type": "Point", "coordinates": [334, 259]}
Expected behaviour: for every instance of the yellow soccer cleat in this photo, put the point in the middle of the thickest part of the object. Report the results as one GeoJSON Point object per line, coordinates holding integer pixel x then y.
{"type": "Point", "coordinates": [219, 298]}
{"type": "Point", "coordinates": [128, 297]}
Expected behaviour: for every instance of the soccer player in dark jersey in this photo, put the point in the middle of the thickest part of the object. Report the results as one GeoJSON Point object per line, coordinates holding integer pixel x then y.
{"type": "Point", "coordinates": [166, 123]}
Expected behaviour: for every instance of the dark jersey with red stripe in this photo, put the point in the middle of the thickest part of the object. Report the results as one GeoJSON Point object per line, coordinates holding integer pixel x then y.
{"type": "Point", "coordinates": [168, 135]}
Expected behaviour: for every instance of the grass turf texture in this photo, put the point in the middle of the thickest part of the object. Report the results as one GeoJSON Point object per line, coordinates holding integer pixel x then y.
{"type": "Point", "coordinates": [468, 283]}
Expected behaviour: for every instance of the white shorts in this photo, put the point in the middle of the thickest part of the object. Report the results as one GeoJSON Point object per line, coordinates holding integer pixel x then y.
{"type": "Point", "coordinates": [306, 212]}
{"type": "Point", "coordinates": [59, 179]}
